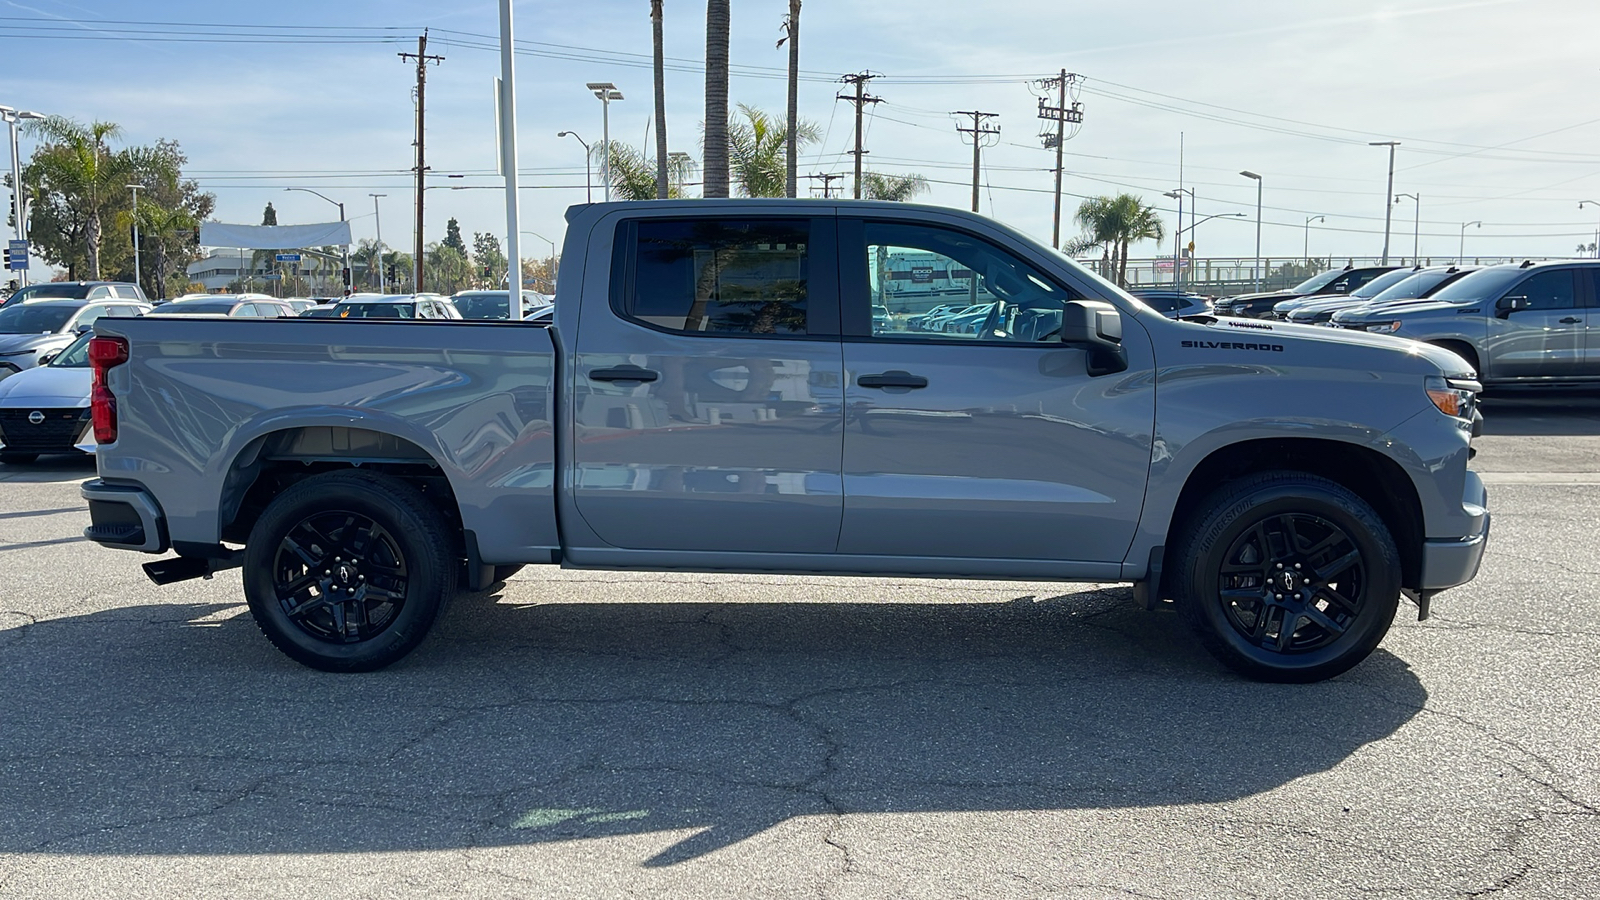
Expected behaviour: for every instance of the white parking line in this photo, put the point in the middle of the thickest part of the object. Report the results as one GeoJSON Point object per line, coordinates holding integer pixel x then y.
{"type": "Point", "coordinates": [1553, 478]}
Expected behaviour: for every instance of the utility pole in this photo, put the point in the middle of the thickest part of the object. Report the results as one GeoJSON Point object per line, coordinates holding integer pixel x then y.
{"type": "Point", "coordinates": [422, 58]}
{"type": "Point", "coordinates": [860, 99]}
{"type": "Point", "coordinates": [827, 179]}
{"type": "Point", "coordinates": [1062, 115]}
{"type": "Point", "coordinates": [377, 261]}
{"type": "Point", "coordinates": [1388, 195]}
{"type": "Point", "coordinates": [977, 131]}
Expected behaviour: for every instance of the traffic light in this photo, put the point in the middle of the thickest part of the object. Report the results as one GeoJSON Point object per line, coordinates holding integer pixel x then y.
{"type": "Point", "coordinates": [8, 258]}
{"type": "Point", "coordinates": [197, 235]}
{"type": "Point", "coordinates": [345, 274]}
{"type": "Point", "coordinates": [391, 271]}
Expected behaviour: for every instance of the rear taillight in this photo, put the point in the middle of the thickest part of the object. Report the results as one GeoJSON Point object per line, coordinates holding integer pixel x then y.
{"type": "Point", "coordinates": [105, 353]}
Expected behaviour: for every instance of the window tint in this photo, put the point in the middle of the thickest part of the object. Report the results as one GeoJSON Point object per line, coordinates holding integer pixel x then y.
{"type": "Point", "coordinates": [914, 269]}
{"type": "Point", "coordinates": [1548, 290]}
{"type": "Point", "coordinates": [726, 277]}
{"type": "Point", "coordinates": [100, 292]}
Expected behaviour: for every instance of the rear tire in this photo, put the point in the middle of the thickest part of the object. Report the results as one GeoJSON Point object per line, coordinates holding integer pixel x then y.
{"type": "Point", "coordinates": [18, 459]}
{"type": "Point", "coordinates": [346, 571]}
{"type": "Point", "coordinates": [1287, 577]}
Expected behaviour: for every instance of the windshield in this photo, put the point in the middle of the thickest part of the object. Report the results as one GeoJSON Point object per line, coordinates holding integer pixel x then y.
{"type": "Point", "coordinates": [1409, 289]}
{"type": "Point", "coordinates": [195, 308]}
{"type": "Point", "coordinates": [35, 319]}
{"type": "Point", "coordinates": [1382, 283]}
{"type": "Point", "coordinates": [377, 311]}
{"type": "Point", "coordinates": [65, 291]}
{"type": "Point", "coordinates": [483, 306]}
{"type": "Point", "coordinates": [1479, 285]}
{"type": "Point", "coordinates": [1317, 282]}
{"type": "Point", "coordinates": [75, 356]}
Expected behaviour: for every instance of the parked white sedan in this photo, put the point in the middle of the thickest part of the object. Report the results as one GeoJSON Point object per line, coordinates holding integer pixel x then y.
{"type": "Point", "coordinates": [45, 409]}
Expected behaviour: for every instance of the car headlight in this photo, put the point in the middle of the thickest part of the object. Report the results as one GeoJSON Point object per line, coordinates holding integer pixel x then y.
{"type": "Point", "coordinates": [1455, 397]}
{"type": "Point", "coordinates": [1385, 327]}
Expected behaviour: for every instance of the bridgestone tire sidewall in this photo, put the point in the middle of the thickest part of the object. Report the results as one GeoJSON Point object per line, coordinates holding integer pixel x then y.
{"type": "Point", "coordinates": [417, 529]}
{"type": "Point", "coordinates": [1227, 515]}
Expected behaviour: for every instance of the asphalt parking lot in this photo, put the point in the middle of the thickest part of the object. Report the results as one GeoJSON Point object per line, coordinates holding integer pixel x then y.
{"type": "Point", "coordinates": [606, 735]}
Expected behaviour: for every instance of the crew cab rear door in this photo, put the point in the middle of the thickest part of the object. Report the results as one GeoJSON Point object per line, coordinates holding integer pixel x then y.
{"type": "Point", "coordinates": [989, 446]}
{"type": "Point", "coordinates": [1537, 327]}
{"type": "Point", "coordinates": [707, 408]}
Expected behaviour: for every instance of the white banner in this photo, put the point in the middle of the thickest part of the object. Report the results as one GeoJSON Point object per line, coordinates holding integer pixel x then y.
{"type": "Point", "coordinates": [274, 237]}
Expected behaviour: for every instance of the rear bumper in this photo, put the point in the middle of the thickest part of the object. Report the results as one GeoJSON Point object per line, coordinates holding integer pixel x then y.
{"type": "Point", "coordinates": [124, 517]}
{"type": "Point", "coordinates": [1448, 563]}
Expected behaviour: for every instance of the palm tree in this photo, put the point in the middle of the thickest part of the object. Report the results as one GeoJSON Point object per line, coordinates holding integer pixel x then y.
{"type": "Point", "coordinates": [716, 128]}
{"type": "Point", "coordinates": [900, 188]}
{"type": "Point", "coordinates": [756, 152]}
{"type": "Point", "coordinates": [791, 27]}
{"type": "Point", "coordinates": [161, 231]}
{"type": "Point", "coordinates": [1116, 222]}
{"type": "Point", "coordinates": [661, 102]}
{"type": "Point", "coordinates": [91, 179]}
{"type": "Point", "coordinates": [633, 177]}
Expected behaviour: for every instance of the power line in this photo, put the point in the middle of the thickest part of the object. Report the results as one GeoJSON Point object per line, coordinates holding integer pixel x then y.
{"type": "Point", "coordinates": [859, 100]}
{"type": "Point", "coordinates": [978, 131]}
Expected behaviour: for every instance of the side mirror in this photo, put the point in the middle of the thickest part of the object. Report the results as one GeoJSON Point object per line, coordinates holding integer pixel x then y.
{"type": "Point", "coordinates": [83, 328]}
{"type": "Point", "coordinates": [45, 358]}
{"type": "Point", "coordinates": [1096, 326]}
{"type": "Point", "coordinates": [1509, 305]}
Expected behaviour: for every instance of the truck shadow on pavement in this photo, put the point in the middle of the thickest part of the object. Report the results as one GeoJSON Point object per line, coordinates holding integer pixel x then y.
{"type": "Point", "coordinates": [1541, 412]}
{"type": "Point", "coordinates": [574, 709]}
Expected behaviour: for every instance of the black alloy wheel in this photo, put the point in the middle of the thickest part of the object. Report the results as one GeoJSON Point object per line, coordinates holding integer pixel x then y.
{"type": "Point", "coordinates": [1286, 576]}
{"type": "Point", "coordinates": [346, 571]}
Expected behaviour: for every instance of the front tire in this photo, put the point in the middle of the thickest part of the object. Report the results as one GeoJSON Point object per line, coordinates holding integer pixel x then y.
{"type": "Point", "coordinates": [346, 571]}
{"type": "Point", "coordinates": [1287, 577]}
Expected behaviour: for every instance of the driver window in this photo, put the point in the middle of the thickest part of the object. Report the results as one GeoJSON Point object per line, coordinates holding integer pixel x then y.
{"type": "Point", "coordinates": [933, 283]}
{"type": "Point", "coordinates": [1548, 290]}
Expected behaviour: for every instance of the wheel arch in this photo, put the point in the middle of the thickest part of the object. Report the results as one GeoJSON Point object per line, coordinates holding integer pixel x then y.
{"type": "Point", "coordinates": [1370, 475]}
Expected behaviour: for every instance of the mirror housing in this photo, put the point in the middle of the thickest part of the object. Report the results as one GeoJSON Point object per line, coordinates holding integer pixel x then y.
{"type": "Point", "coordinates": [1510, 304]}
{"type": "Point", "coordinates": [1096, 326]}
{"type": "Point", "coordinates": [83, 328]}
{"type": "Point", "coordinates": [46, 358]}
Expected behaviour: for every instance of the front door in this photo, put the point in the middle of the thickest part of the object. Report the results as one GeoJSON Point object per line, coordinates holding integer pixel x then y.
{"type": "Point", "coordinates": [1536, 329]}
{"type": "Point", "coordinates": [985, 439]}
{"type": "Point", "coordinates": [708, 403]}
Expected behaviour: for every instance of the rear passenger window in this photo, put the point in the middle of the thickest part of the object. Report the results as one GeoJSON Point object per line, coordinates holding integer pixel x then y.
{"type": "Point", "coordinates": [745, 277]}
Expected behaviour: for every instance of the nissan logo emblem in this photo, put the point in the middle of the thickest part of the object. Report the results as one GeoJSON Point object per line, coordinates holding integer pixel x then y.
{"type": "Point", "coordinates": [36, 417]}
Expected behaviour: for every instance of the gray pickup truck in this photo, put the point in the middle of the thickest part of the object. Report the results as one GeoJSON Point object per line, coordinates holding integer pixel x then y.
{"type": "Point", "coordinates": [1534, 323]}
{"type": "Point", "coordinates": [716, 395]}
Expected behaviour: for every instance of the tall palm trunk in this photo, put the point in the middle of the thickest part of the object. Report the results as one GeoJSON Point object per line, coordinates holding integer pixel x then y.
{"type": "Point", "coordinates": [91, 244]}
{"type": "Point", "coordinates": [716, 155]}
{"type": "Point", "coordinates": [661, 102]}
{"type": "Point", "coordinates": [792, 161]}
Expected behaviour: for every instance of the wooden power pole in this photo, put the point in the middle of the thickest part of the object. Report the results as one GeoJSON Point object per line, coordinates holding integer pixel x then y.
{"type": "Point", "coordinates": [978, 130]}
{"type": "Point", "coordinates": [422, 58]}
{"type": "Point", "coordinates": [860, 98]}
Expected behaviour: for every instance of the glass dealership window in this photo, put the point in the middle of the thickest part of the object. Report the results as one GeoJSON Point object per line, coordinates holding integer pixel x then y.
{"type": "Point", "coordinates": [745, 277]}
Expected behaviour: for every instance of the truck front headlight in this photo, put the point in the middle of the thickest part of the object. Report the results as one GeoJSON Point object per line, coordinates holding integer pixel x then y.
{"type": "Point", "coordinates": [1385, 327]}
{"type": "Point", "coordinates": [1455, 397]}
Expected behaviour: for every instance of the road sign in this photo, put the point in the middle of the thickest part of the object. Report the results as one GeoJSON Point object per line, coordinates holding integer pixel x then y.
{"type": "Point", "coordinates": [19, 255]}
{"type": "Point", "coordinates": [288, 257]}
{"type": "Point", "coordinates": [272, 277]}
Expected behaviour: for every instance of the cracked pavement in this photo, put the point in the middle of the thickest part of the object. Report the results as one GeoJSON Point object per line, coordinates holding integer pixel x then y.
{"type": "Point", "coordinates": [617, 734]}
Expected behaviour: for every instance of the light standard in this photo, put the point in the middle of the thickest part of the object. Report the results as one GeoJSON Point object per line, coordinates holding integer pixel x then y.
{"type": "Point", "coordinates": [1257, 178]}
{"type": "Point", "coordinates": [1306, 250]}
{"type": "Point", "coordinates": [1416, 226]}
{"type": "Point", "coordinates": [1461, 252]}
{"type": "Point", "coordinates": [346, 278]}
{"type": "Point", "coordinates": [552, 259]}
{"type": "Point", "coordinates": [606, 92]}
{"type": "Point", "coordinates": [588, 186]}
{"type": "Point", "coordinates": [1388, 206]}
{"type": "Point", "coordinates": [18, 198]}
{"type": "Point", "coordinates": [377, 259]}
{"type": "Point", "coordinates": [1581, 204]}
{"type": "Point", "coordinates": [135, 189]}
{"type": "Point", "coordinates": [1177, 243]}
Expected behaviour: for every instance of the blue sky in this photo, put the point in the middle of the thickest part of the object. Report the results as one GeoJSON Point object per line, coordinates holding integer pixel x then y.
{"type": "Point", "coordinates": [1492, 100]}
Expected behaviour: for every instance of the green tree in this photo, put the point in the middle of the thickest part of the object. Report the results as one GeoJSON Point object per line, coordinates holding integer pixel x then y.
{"type": "Point", "coordinates": [165, 236]}
{"type": "Point", "coordinates": [489, 261]}
{"type": "Point", "coordinates": [900, 188]}
{"type": "Point", "coordinates": [757, 156]}
{"type": "Point", "coordinates": [452, 236]}
{"type": "Point", "coordinates": [265, 259]}
{"type": "Point", "coordinates": [716, 127]}
{"type": "Point", "coordinates": [448, 269]}
{"type": "Point", "coordinates": [269, 216]}
{"type": "Point", "coordinates": [633, 177]}
{"type": "Point", "coordinates": [80, 182]}
{"type": "Point", "coordinates": [1117, 223]}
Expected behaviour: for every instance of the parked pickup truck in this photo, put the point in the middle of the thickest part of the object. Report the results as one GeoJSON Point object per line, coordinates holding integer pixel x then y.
{"type": "Point", "coordinates": [714, 395]}
{"type": "Point", "coordinates": [1513, 324]}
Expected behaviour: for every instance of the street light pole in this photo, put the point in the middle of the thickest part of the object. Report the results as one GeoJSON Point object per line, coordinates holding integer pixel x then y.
{"type": "Point", "coordinates": [588, 183]}
{"type": "Point", "coordinates": [135, 189]}
{"type": "Point", "coordinates": [1580, 206]}
{"type": "Point", "coordinates": [606, 92]}
{"type": "Point", "coordinates": [1305, 251]}
{"type": "Point", "coordinates": [1257, 178]}
{"type": "Point", "coordinates": [552, 255]}
{"type": "Point", "coordinates": [1388, 206]}
{"type": "Point", "coordinates": [1177, 243]}
{"type": "Point", "coordinates": [1416, 227]}
{"type": "Point", "coordinates": [383, 287]}
{"type": "Point", "coordinates": [1461, 252]}
{"type": "Point", "coordinates": [346, 278]}
{"type": "Point", "coordinates": [19, 199]}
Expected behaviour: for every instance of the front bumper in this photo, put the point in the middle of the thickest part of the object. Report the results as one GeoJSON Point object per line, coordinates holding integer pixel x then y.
{"type": "Point", "coordinates": [1448, 563]}
{"type": "Point", "coordinates": [124, 517]}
